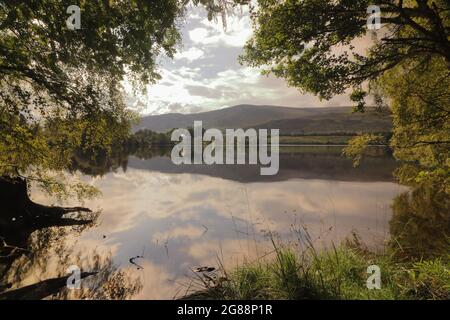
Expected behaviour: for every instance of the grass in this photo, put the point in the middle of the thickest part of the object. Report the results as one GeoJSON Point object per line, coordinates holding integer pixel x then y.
{"type": "Point", "coordinates": [336, 273]}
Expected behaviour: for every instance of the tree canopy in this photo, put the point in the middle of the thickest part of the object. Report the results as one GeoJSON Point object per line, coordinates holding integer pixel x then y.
{"type": "Point", "coordinates": [61, 89]}
{"type": "Point", "coordinates": [406, 66]}
{"type": "Point", "coordinates": [310, 42]}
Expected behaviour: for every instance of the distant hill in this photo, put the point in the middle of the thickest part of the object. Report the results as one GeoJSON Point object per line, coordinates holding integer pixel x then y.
{"type": "Point", "coordinates": [288, 120]}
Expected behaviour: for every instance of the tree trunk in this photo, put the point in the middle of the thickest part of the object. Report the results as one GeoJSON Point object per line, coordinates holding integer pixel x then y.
{"type": "Point", "coordinates": [20, 216]}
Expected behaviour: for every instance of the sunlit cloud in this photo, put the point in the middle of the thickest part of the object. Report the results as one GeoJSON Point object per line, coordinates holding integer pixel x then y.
{"type": "Point", "coordinates": [190, 54]}
{"type": "Point", "coordinates": [199, 35]}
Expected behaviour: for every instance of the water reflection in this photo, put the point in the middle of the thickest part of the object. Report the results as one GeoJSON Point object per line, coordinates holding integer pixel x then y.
{"type": "Point", "coordinates": [37, 248]}
{"type": "Point", "coordinates": [420, 224]}
{"type": "Point", "coordinates": [181, 217]}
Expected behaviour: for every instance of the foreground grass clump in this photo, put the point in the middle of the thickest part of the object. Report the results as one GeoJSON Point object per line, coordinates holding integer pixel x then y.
{"type": "Point", "coordinates": [340, 273]}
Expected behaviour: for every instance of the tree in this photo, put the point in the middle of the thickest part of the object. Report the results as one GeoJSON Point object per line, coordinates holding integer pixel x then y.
{"type": "Point", "coordinates": [419, 96]}
{"type": "Point", "coordinates": [310, 43]}
{"type": "Point", "coordinates": [61, 88]}
{"type": "Point", "coordinates": [299, 40]}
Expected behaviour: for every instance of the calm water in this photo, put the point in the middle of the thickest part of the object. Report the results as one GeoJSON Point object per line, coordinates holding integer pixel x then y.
{"type": "Point", "coordinates": [182, 217]}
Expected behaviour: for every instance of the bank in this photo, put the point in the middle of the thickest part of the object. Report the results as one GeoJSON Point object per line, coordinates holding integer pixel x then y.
{"type": "Point", "coordinates": [334, 273]}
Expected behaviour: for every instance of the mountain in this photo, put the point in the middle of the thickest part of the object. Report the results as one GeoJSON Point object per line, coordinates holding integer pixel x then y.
{"type": "Point", "coordinates": [288, 120]}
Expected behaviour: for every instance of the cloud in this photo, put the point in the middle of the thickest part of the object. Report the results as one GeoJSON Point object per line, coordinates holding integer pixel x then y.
{"type": "Point", "coordinates": [203, 91]}
{"type": "Point", "coordinates": [236, 34]}
{"type": "Point", "coordinates": [189, 232]}
{"type": "Point", "coordinates": [199, 35]}
{"type": "Point", "coordinates": [191, 55]}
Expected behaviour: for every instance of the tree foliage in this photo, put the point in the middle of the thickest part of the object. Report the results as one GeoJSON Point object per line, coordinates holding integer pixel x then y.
{"type": "Point", "coordinates": [61, 89]}
{"type": "Point", "coordinates": [311, 43]}
{"type": "Point", "coordinates": [358, 146]}
{"type": "Point", "coordinates": [419, 95]}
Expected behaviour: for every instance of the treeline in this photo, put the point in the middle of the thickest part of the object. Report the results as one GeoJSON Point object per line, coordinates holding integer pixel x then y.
{"type": "Point", "coordinates": [147, 139]}
{"type": "Point", "coordinates": [388, 135]}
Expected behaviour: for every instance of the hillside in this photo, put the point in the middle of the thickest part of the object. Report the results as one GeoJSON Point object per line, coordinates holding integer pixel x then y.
{"type": "Point", "coordinates": [288, 120]}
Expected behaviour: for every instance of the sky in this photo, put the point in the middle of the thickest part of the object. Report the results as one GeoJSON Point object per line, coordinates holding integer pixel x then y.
{"type": "Point", "coordinates": [205, 74]}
